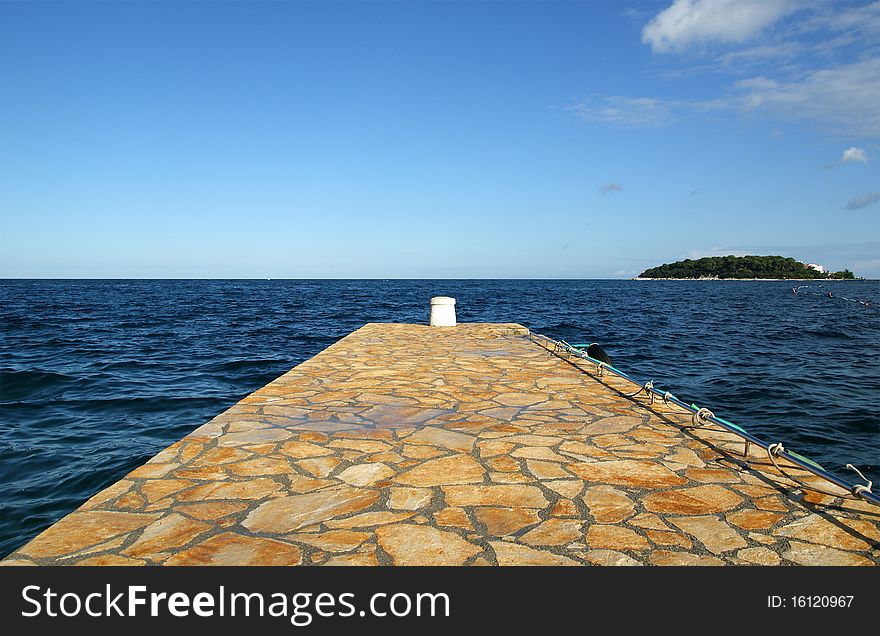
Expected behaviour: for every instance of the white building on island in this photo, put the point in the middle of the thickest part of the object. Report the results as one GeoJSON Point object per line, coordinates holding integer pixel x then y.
{"type": "Point", "coordinates": [818, 268]}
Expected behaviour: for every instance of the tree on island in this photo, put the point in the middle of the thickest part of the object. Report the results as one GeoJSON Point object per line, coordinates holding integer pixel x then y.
{"type": "Point", "coordinates": [741, 267]}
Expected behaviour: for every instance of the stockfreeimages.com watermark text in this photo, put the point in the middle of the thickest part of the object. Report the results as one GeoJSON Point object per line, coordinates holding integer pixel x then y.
{"type": "Point", "coordinates": [300, 608]}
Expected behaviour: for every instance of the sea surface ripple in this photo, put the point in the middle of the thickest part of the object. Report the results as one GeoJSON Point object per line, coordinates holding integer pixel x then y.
{"type": "Point", "coordinates": [98, 376]}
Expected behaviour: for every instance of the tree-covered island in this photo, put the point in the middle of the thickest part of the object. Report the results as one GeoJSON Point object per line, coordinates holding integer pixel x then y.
{"type": "Point", "coordinates": [742, 267]}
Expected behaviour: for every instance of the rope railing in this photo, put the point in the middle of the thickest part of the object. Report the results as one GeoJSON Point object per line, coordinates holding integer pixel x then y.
{"type": "Point", "coordinates": [701, 416]}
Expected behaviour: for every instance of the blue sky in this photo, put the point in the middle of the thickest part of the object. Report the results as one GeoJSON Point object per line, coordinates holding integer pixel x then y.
{"type": "Point", "coordinates": [432, 140]}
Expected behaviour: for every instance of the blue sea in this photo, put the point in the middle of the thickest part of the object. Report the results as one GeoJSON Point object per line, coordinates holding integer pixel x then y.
{"type": "Point", "coordinates": [98, 376]}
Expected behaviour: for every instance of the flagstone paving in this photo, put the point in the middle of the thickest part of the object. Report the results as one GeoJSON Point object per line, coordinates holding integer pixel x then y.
{"type": "Point", "coordinates": [471, 445]}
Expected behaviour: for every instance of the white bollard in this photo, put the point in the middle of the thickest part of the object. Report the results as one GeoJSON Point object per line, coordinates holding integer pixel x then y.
{"type": "Point", "coordinates": [442, 311]}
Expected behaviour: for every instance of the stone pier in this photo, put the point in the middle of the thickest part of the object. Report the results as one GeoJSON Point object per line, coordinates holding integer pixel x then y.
{"type": "Point", "coordinates": [470, 445]}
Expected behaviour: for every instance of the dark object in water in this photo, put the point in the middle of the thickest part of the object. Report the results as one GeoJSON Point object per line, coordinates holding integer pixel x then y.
{"type": "Point", "coordinates": [598, 353]}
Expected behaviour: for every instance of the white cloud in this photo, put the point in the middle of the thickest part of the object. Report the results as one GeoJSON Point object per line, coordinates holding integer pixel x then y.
{"type": "Point", "coordinates": [610, 187]}
{"type": "Point", "coordinates": [624, 111]}
{"type": "Point", "coordinates": [846, 17]}
{"type": "Point", "coordinates": [841, 99]}
{"type": "Point", "coordinates": [641, 112]}
{"type": "Point", "coordinates": [854, 154]}
{"type": "Point", "coordinates": [689, 22]}
{"type": "Point", "coordinates": [803, 75]}
{"type": "Point", "coordinates": [844, 97]}
{"type": "Point", "coordinates": [863, 201]}
{"type": "Point", "coordinates": [761, 54]}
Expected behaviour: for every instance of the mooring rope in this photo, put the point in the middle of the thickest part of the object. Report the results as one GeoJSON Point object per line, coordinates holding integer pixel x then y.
{"type": "Point", "coordinates": [773, 450]}
{"type": "Point", "coordinates": [857, 489]}
{"type": "Point", "coordinates": [646, 388]}
{"type": "Point", "coordinates": [702, 416]}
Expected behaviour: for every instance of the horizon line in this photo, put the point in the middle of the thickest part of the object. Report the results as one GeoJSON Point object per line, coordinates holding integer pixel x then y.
{"type": "Point", "coordinates": [379, 278]}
